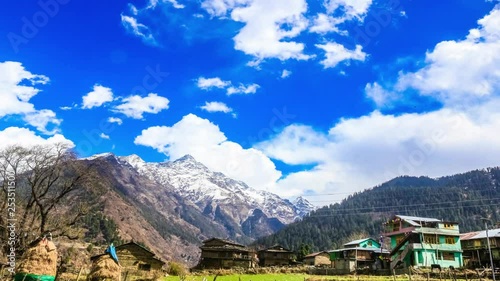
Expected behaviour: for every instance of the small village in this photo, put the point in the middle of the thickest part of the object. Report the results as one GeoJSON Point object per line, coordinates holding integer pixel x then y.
{"type": "Point", "coordinates": [412, 242]}
{"type": "Point", "coordinates": [408, 244]}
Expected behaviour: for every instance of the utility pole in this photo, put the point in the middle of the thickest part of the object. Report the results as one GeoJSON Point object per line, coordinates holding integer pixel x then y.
{"type": "Point", "coordinates": [489, 248]}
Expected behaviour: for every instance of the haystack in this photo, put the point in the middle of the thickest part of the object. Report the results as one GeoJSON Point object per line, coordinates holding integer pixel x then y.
{"type": "Point", "coordinates": [40, 259]}
{"type": "Point", "coordinates": [104, 268]}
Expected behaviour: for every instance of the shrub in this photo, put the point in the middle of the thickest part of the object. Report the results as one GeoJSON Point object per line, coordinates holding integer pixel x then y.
{"type": "Point", "coordinates": [176, 269]}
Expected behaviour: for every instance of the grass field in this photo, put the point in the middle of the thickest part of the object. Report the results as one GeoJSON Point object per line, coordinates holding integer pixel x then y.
{"type": "Point", "coordinates": [245, 277]}
{"type": "Point", "coordinates": [285, 277]}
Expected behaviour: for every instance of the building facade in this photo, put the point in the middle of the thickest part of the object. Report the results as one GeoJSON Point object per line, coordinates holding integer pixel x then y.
{"type": "Point", "coordinates": [359, 254]}
{"type": "Point", "coordinates": [220, 253]}
{"type": "Point", "coordinates": [276, 256]}
{"type": "Point", "coordinates": [423, 242]}
{"type": "Point", "coordinates": [475, 247]}
{"type": "Point", "coordinates": [317, 259]}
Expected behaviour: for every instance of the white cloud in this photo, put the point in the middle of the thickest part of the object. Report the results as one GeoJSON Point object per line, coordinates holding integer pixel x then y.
{"type": "Point", "coordinates": [138, 29]}
{"type": "Point", "coordinates": [459, 72]}
{"type": "Point", "coordinates": [324, 23]}
{"type": "Point", "coordinates": [115, 120]}
{"type": "Point", "coordinates": [380, 96]}
{"type": "Point", "coordinates": [99, 96]}
{"type": "Point", "coordinates": [26, 138]}
{"type": "Point", "coordinates": [242, 89]}
{"type": "Point", "coordinates": [136, 106]}
{"type": "Point", "coordinates": [336, 53]}
{"type": "Point", "coordinates": [206, 143]}
{"type": "Point", "coordinates": [269, 28]}
{"type": "Point", "coordinates": [153, 3]}
{"type": "Point", "coordinates": [16, 90]}
{"type": "Point", "coordinates": [350, 8]}
{"type": "Point", "coordinates": [104, 136]}
{"type": "Point", "coordinates": [208, 83]}
{"type": "Point", "coordinates": [221, 7]}
{"type": "Point", "coordinates": [285, 74]}
{"type": "Point", "coordinates": [215, 106]}
{"type": "Point", "coordinates": [42, 119]}
{"type": "Point", "coordinates": [362, 152]}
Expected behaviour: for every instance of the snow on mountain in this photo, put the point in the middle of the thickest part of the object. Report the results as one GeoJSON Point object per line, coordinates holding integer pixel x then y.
{"type": "Point", "coordinates": [208, 190]}
{"type": "Point", "coordinates": [305, 206]}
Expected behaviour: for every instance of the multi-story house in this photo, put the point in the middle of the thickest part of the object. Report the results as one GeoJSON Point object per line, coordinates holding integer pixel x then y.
{"type": "Point", "coordinates": [427, 242]}
{"type": "Point", "coordinates": [220, 253]}
{"type": "Point", "coordinates": [276, 256]}
{"type": "Point", "coordinates": [475, 248]}
{"type": "Point", "coordinates": [359, 254]}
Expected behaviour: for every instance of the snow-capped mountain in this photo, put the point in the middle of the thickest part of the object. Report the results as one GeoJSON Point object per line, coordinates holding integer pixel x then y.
{"type": "Point", "coordinates": [210, 190]}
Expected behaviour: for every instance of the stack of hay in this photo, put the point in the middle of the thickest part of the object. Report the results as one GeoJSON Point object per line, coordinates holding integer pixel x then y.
{"type": "Point", "coordinates": [104, 267]}
{"type": "Point", "coordinates": [39, 262]}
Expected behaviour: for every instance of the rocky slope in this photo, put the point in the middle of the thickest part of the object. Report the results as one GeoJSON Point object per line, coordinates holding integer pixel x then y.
{"type": "Point", "coordinates": [172, 206]}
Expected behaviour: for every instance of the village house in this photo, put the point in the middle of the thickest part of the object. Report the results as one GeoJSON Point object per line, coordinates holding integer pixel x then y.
{"type": "Point", "coordinates": [276, 256]}
{"type": "Point", "coordinates": [136, 260]}
{"type": "Point", "coordinates": [317, 259]}
{"type": "Point", "coordinates": [359, 254]}
{"type": "Point", "coordinates": [426, 242]}
{"type": "Point", "coordinates": [220, 253]}
{"type": "Point", "coordinates": [475, 248]}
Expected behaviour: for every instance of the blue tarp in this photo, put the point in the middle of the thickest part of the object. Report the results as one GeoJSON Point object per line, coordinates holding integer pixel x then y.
{"type": "Point", "coordinates": [112, 252]}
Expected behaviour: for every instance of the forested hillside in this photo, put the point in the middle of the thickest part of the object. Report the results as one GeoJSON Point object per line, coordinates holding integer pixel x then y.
{"type": "Point", "coordinates": [463, 198]}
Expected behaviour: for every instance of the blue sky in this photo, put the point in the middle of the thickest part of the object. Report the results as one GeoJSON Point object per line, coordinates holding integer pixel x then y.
{"type": "Point", "coordinates": [298, 97]}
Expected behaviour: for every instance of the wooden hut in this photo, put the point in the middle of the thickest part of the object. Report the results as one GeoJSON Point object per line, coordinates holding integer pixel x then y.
{"type": "Point", "coordinates": [136, 258]}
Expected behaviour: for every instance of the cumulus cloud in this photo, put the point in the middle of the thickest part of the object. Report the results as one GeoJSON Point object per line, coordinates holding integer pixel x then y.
{"type": "Point", "coordinates": [350, 9]}
{"type": "Point", "coordinates": [104, 136]}
{"type": "Point", "coordinates": [208, 83]}
{"type": "Point", "coordinates": [115, 120]}
{"type": "Point", "coordinates": [458, 72]}
{"type": "Point", "coordinates": [27, 138]}
{"type": "Point", "coordinates": [215, 106]}
{"type": "Point", "coordinates": [265, 35]}
{"type": "Point", "coordinates": [206, 143]}
{"type": "Point", "coordinates": [135, 106]}
{"type": "Point", "coordinates": [285, 74]}
{"type": "Point", "coordinates": [99, 96]}
{"type": "Point", "coordinates": [17, 87]}
{"type": "Point", "coordinates": [336, 53]}
{"type": "Point", "coordinates": [359, 153]}
{"type": "Point", "coordinates": [242, 89]}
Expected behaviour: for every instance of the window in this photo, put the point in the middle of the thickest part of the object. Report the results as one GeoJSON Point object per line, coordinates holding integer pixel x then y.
{"type": "Point", "coordinates": [448, 225]}
{"type": "Point", "coordinates": [449, 240]}
{"type": "Point", "coordinates": [448, 256]}
{"type": "Point", "coordinates": [369, 243]}
{"type": "Point", "coordinates": [145, 267]}
{"type": "Point", "coordinates": [431, 239]}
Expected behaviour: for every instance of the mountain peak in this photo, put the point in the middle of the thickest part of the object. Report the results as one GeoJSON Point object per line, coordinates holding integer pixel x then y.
{"type": "Point", "coordinates": [186, 158]}
{"type": "Point", "coordinates": [99, 155]}
{"type": "Point", "coordinates": [304, 205]}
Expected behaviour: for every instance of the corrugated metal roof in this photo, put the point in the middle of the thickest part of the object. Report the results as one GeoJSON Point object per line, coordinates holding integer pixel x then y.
{"type": "Point", "coordinates": [480, 234]}
{"type": "Point", "coordinates": [369, 249]}
{"type": "Point", "coordinates": [414, 220]}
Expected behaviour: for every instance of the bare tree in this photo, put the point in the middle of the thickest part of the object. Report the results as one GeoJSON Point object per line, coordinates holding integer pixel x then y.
{"type": "Point", "coordinates": [52, 189]}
